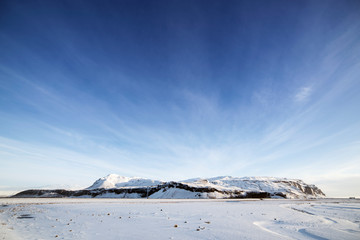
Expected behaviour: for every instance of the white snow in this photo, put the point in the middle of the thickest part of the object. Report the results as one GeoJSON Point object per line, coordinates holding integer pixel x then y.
{"type": "Point", "coordinates": [116, 181]}
{"type": "Point", "coordinates": [179, 219]}
{"type": "Point", "coordinates": [174, 193]}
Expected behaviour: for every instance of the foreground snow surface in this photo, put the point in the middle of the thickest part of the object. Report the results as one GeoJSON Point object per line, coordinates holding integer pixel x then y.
{"type": "Point", "coordinates": [179, 219]}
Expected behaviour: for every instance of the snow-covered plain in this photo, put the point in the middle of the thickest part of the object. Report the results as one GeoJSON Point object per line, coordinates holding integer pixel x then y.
{"type": "Point", "coordinates": [179, 219]}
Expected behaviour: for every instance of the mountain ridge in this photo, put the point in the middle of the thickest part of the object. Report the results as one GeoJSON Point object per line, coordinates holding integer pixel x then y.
{"type": "Point", "coordinates": [115, 186]}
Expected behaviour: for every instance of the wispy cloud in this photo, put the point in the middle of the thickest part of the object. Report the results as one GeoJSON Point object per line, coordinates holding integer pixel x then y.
{"type": "Point", "coordinates": [303, 94]}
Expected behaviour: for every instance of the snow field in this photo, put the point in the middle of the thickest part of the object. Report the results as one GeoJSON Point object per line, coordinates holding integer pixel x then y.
{"type": "Point", "coordinates": [179, 219]}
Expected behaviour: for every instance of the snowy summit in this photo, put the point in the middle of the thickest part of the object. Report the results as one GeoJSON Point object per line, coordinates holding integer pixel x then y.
{"type": "Point", "coordinates": [116, 181]}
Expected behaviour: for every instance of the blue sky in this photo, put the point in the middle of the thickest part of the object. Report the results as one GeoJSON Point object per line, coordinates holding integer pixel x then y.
{"type": "Point", "coordinates": [179, 89]}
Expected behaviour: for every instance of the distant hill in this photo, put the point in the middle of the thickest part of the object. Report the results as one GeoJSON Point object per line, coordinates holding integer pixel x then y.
{"type": "Point", "coordinates": [115, 186]}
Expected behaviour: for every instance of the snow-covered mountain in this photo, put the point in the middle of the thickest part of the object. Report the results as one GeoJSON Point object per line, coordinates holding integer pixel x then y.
{"type": "Point", "coordinates": [115, 186]}
{"type": "Point", "coordinates": [116, 181]}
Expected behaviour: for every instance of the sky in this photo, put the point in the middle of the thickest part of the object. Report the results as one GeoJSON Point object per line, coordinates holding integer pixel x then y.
{"type": "Point", "coordinates": [173, 90]}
